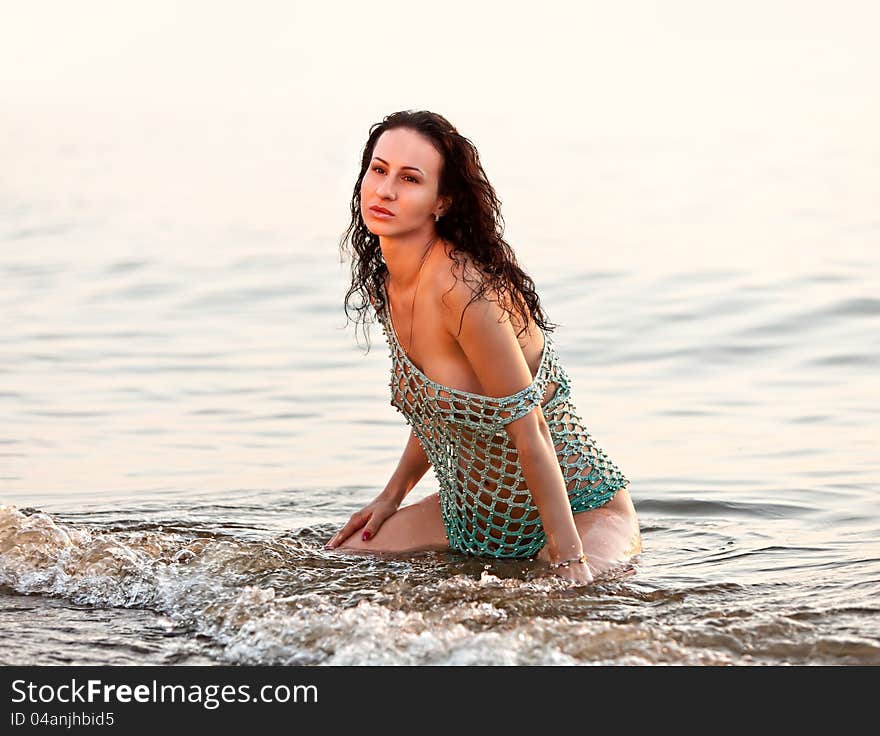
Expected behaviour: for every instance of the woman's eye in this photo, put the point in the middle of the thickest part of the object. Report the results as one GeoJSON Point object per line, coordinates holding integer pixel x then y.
{"type": "Point", "coordinates": [380, 170]}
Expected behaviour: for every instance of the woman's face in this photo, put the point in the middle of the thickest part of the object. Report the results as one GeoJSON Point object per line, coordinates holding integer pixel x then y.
{"type": "Point", "coordinates": [403, 177]}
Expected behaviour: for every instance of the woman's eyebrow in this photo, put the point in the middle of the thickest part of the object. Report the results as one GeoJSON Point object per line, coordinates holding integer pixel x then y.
{"type": "Point", "coordinates": [414, 168]}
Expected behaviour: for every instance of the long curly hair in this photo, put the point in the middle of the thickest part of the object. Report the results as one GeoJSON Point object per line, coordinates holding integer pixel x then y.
{"type": "Point", "coordinates": [473, 224]}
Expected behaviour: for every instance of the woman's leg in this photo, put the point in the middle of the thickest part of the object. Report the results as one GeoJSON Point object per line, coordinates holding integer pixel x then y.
{"type": "Point", "coordinates": [414, 528]}
{"type": "Point", "coordinates": [610, 534]}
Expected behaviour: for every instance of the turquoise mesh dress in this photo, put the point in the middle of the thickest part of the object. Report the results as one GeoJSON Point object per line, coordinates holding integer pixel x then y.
{"type": "Point", "coordinates": [484, 502]}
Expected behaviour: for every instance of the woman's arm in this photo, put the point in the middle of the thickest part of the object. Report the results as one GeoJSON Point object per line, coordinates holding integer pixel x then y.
{"type": "Point", "coordinates": [410, 469]}
{"type": "Point", "coordinates": [413, 465]}
{"type": "Point", "coordinates": [489, 342]}
{"type": "Point", "coordinates": [545, 481]}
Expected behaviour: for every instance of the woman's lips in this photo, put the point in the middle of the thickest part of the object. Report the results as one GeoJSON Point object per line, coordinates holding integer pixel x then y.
{"type": "Point", "coordinates": [380, 214]}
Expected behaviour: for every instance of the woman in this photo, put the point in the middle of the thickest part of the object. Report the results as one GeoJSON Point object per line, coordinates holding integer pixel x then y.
{"type": "Point", "coordinates": [479, 383]}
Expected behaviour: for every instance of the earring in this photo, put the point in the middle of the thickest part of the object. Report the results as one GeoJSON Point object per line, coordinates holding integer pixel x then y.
{"type": "Point", "coordinates": [436, 217]}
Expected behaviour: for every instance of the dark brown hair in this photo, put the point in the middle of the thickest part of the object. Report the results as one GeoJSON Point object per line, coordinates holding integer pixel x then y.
{"type": "Point", "coordinates": [473, 224]}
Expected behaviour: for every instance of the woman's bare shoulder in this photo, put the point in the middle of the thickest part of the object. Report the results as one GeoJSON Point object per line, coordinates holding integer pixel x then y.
{"type": "Point", "coordinates": [462, 282]}
{"type": "Point", "coordinates": [459, 287]}
{"type": "Point", "coordinates": [457, 281]}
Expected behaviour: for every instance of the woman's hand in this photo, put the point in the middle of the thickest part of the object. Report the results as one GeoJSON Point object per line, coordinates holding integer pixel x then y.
{"type": "Point", "coordinates": [579, 572]}
{"type": "Point", "coordinates": [577, 569]}
{"type": "Point", "coordinates": [370, 517]}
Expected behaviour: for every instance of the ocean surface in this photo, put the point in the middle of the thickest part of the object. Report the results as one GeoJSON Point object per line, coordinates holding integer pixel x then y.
{"type": "Point", "coordinates": [185, 417]}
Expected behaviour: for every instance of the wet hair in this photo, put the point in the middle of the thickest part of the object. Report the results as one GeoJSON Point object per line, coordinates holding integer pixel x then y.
{"type": "Point", "coordinates": [473, 224]}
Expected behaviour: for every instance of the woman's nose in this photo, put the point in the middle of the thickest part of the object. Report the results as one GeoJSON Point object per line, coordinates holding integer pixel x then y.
{"type": "Point", "coordinates": [385, 190]}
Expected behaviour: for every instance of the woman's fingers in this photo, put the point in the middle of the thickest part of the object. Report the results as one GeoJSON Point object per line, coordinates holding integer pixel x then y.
{"type": "Point", "coordinates": [354, 523]}
{"type": "Point", "coordinates": [340, 536]}
{"type": "Point", "coordinates": [371, 527]}
{"type": "Point", "coordinates": [370, 518]}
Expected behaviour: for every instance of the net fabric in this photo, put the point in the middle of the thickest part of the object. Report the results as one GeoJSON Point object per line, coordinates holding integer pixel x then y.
{"type": "Point", "coordinates": [485, 505]}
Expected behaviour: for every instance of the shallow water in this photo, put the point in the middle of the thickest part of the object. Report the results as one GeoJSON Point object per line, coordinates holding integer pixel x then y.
{"type": "Point", "coordinates": [186, 419]}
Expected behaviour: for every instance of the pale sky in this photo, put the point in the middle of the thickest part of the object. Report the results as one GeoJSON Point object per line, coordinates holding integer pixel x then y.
{"type": "Point", "coordinates": [676, 62]}
{"type": "Point", "coordinates": [737, 132]}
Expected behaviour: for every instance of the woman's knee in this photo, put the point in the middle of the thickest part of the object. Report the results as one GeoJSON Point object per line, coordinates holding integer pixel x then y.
{"type": "Point", "coordinates": [610, 533]}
